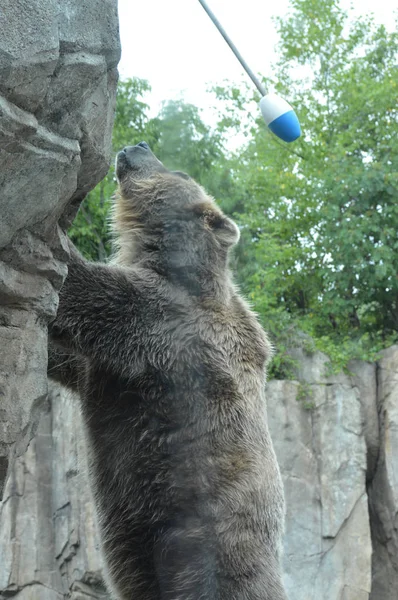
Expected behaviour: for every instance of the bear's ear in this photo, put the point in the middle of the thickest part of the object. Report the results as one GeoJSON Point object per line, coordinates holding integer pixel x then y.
{"type": "Point", "coordinates": [225, 230]}
{"type": "Point", "coordinates": [181, 174]}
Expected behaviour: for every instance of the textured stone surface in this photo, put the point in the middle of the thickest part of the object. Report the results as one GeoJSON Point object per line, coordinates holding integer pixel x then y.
{"type": "Point", "coordinates": [322, 456]}
{"type": "Point", "coordinates": [383, 489]}
{"type": "Point", "coordinates": [48, 539]}
{"type": "Point", "coordinates": [341, 538]}
{"type": "Point", "coordinates": [57, 95]}
{"type": "Point", "coordinates": [364, 378]}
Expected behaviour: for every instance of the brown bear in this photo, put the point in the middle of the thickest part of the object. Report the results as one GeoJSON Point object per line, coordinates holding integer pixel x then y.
{"type": "Point", "coordinates": [169, 362]}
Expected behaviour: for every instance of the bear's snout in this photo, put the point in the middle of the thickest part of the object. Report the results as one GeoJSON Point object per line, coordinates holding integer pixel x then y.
{"type": "Point", "coordinates": [131, 150]}
{"type": "Point", "coordinates": [139, 160]}
{"type": "Point", "coordinates": [143, 145]}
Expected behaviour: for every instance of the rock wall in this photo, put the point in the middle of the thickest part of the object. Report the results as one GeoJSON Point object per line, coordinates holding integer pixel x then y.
{"type": "Point", "coordinates": [49, 545]}
{"type": "Point", "coordinates": [318, 428]}
{"type": "Point", "coordinates": [336, 439]}
{"type": "Point", "coordinates": [57, 94]}
{"type": "Point", "coordinates": [337, 443]}
{"type": "Point", "coordinates": [383, 487]}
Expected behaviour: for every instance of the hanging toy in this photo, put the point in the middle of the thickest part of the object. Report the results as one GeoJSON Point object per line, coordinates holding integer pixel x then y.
{"type": "Point", "coordinates": [277, 113]}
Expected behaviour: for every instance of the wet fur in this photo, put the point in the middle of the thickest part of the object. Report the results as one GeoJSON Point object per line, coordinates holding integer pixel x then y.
{"type": "Point", "coordinates": [170, 366]}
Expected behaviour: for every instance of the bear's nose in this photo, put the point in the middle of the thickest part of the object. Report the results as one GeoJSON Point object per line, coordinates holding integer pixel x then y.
{"type": "Point", "coordinates": [144, 145]}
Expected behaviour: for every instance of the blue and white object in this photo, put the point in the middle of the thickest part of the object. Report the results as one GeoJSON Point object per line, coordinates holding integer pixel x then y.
{"type": "Point", "coordinates": [280, 117]}
{"type": "Point", "coordinates": [278, 114]}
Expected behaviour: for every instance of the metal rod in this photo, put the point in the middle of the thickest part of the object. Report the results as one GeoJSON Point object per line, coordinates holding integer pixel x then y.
{"type": "Point", "coordinates": [234, 49]}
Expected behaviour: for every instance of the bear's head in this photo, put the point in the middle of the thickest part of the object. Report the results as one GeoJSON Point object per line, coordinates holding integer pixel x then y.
{"type": "Point", "coordinates": [166, 220]}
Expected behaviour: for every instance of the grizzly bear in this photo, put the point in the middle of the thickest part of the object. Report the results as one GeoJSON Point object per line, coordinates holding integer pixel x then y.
{"type": "Point", "coordinates": [169, 363]}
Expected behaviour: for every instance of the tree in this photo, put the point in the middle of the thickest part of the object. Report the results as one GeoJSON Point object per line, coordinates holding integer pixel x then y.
{"type": "Point", "coordinates": [322, 216]}
{"type": "Point", "coordinates": [352, 115]}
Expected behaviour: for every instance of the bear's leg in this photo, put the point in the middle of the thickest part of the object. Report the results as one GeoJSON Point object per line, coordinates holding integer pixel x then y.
{"type": "Point", "coordinates": [101, 309]}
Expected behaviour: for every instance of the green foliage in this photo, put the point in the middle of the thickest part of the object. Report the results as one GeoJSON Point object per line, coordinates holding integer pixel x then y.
{"type": "Point", "coordinates": [305, 395]}
{"type": "Point", "coordinates": [321, 217]}
{"type": "Point", "coordinates": [185, 142]}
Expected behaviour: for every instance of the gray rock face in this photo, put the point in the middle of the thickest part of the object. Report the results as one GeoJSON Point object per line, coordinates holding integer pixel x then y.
{"type": "Point", "coordinates": [337, 445]}
{"type": "Point", "coordinates": [336, 438]}
{"type": "Point", "coordinates": [383, 489]}
{"type": "Point", "coordinates": [49, 544]}
{"type": "Point", "coordinates": [57, 95]}
{"type": "Point", "coordinates": [322, 455]}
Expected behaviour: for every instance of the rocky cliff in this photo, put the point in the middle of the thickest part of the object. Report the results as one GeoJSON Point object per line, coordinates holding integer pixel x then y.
{"type": "Point", "coordinates": [57, 94]}
{"type": "Point", "coordinates": [337, 443]}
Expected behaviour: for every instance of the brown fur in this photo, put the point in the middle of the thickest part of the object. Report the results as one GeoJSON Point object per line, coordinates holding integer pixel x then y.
{"type": "Point", "coordinates": [170, 365]}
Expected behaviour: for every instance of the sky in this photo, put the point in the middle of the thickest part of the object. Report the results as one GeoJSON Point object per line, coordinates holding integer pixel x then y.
{"type": "Point", "coordinates": [174, 45]}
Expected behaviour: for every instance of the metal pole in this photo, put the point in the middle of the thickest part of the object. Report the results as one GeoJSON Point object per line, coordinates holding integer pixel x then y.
{"type": "Point", "coordinates": [234, 49]}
